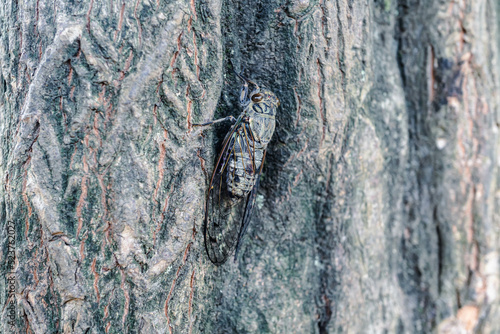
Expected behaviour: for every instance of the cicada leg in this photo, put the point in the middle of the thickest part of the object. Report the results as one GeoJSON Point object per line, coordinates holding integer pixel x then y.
{"type": "Point", "coordinates": [244, 100]}
{"type": "Point", "coordinates": [228, 118]}
{"type": "Point", "coordinates": [245, 79]}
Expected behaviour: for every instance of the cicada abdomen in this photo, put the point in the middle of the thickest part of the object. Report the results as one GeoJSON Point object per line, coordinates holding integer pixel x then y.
{"type": "Point", "coordinates": [235, 179]}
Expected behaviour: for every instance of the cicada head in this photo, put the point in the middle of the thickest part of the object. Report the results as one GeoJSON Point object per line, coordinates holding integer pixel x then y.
{"type": "Point", "coordinates": [264, 97]}
{"type": "Point", "coordinates": [257, 96]}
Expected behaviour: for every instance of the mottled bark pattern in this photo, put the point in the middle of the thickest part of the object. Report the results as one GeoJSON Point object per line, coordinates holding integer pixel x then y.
{"type": "Point", "coordinates": [378, 204]}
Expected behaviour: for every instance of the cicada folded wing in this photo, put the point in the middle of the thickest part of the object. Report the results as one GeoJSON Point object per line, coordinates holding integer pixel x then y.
{"type": "Point", "coordinates": [223, 211]}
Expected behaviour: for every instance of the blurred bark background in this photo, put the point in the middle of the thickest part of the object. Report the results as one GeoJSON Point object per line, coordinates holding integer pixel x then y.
{"type": "Point", "coordinates": [378, 207]}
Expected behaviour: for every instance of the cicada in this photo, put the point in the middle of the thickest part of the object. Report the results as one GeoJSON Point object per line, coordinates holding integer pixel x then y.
{"type": "Point", "coordinates": [235, 179]}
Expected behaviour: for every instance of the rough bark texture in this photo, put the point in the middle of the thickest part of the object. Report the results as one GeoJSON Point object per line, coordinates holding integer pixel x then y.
{"type": "Point", "coordinates": [378, 207]}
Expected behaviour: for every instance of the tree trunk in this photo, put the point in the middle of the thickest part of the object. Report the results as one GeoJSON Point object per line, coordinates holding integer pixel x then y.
{"type": "Point", "coordinates": [377, 208]}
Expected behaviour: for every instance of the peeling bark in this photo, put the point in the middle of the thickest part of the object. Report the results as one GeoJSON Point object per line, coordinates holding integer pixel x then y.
{"type": "Point", "coordinates": [377, 207]}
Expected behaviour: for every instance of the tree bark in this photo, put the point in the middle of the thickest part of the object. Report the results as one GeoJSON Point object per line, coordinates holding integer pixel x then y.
{"type": "Point", "coordinates": [377, 210]}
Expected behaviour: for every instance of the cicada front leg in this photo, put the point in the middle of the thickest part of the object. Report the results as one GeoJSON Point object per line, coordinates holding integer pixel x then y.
{"type": "Point", "coordinates": [228, 118]}
{"type": "Point", "coordinates": [244, 95]}
{"type": "Point", "coordinates": [244, 100]}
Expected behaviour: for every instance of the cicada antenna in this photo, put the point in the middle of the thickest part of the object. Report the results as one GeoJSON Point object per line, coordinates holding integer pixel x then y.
{"type": "Point", "coordinates": [245, 79]}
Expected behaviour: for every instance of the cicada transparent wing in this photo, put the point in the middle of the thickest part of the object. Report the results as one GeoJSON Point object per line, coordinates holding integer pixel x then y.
{"type": "Point", "coordinates": [250, 203]}
{"type": "Point", "coordinates": [222, 209]}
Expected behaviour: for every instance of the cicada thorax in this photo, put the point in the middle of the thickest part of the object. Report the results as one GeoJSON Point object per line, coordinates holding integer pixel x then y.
{"type": "Point", "coordinates": [261, 117]}
{"type": "Point", "coordinates": [262, 128]}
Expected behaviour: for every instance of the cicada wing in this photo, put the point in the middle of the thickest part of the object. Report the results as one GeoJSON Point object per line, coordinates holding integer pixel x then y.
{"type": "Point", "coordinates": [222, 210]}
{"type": "Point", "coordinates": [250, 204]}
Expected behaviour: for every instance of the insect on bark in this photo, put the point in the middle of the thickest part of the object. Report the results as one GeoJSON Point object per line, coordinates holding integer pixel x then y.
{"type": "Point", "coordinates": [233, 186]}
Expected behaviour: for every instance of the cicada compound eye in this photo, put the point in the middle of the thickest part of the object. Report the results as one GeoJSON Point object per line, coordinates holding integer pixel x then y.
{"type": "Point", "coordinates": [257, 98]}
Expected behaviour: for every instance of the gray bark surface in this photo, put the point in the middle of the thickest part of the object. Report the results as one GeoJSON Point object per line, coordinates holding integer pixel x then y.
{"type": "Point", "coordinates": [378, 204]}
